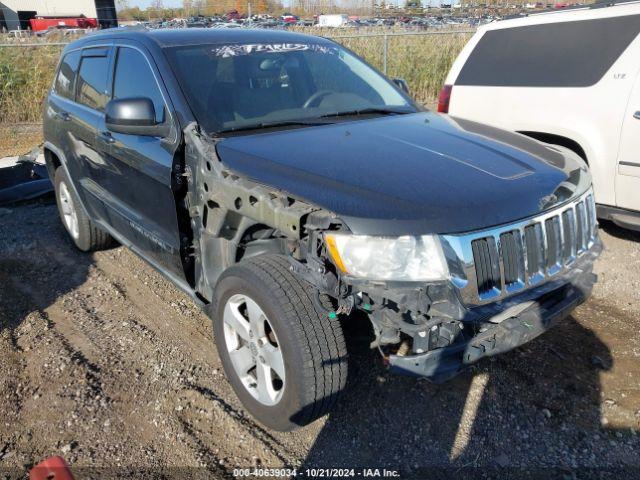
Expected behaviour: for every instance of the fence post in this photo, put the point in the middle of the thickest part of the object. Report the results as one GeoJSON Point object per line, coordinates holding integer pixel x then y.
{"type": "Point", "coordinates": [384, 54]}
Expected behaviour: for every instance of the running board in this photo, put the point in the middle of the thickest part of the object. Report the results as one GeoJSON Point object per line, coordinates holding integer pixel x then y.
{"type": "Point", "coordinates": [623, 218]}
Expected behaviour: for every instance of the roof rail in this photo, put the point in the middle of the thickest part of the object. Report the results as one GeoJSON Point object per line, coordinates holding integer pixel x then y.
{"type": "Point", "coordinates": [124, 28]}
{"type": "Point", "coordinates": [597, 4]}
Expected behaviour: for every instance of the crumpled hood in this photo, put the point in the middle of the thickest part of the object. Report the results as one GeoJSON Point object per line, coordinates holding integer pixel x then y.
{"type": "Point", "coordinates": [410, 174]}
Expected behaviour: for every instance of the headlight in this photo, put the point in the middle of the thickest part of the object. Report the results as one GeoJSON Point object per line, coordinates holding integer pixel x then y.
{"type": "Point", "coordinates": [405, 258]}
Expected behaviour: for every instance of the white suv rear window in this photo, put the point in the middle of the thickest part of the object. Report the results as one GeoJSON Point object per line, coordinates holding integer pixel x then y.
{"type": "Point", "coordinates": [564, 54]}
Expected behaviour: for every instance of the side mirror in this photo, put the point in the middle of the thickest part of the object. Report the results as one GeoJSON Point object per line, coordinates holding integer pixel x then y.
{"type": "Point", "coordinates": [402, 83]}
{"type": "Point", "coordinates": [134, 116]}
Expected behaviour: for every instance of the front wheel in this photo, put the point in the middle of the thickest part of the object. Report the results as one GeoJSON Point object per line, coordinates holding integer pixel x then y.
{"type": "Point", "coordinates": [285, 360]}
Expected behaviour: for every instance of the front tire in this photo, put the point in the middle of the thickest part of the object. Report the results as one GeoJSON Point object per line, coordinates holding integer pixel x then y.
{"type": "Point", "coordinates": [83, 232]}
{"type": "Point", "coordinates": [286, 361]}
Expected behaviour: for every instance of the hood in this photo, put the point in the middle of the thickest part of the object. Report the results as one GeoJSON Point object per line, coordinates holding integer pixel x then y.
{"type": "Point", "coordinates": [410, 174]}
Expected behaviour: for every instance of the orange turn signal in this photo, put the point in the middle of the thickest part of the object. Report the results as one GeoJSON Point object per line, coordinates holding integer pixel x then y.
{"type": "Point", "coordinates": [334, 254]}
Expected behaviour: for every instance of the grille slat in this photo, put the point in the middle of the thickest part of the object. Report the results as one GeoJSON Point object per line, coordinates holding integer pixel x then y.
{"type": "Point", "coordinates": [531, 251]}
{"type": "Point", "coordinates": [512, 260]}
{"type": "Point", "coordinates": [581, 227]}
{"type": "Point", "coordinates": [554, 242]}
{"type": "Point", "coordinates": [591, 215]}
{"type": "Point", "coordinates": [486, 275]}
{"type": "Point", "coordinates": [535, 253]}
{"type": "Point", "coordinates": [568, 235]}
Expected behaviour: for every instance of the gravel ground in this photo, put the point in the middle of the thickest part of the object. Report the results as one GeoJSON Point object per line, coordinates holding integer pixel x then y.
{"type": "Point", "coordinates": [19, 139]}
{"type": "Point", "coordinates": [106, 363]}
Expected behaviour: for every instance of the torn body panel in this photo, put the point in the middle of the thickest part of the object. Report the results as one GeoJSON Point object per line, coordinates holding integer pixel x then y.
{"type": "Point", "coordinates": [23, 179]}
{"type": "Point", "coordinates": [227, 211]}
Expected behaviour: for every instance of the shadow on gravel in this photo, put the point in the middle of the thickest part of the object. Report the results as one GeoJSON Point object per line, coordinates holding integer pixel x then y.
{"type": "Point", "coordinates": [619, 232]}
{"type": "Point", "coordinates": [38, 264]}
{"type": "Point", "coordinates": [34, 282]}
{"type": "Point", "coordinates": [535, 408]}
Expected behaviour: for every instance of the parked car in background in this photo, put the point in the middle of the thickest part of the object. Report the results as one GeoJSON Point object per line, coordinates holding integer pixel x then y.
{"type": "Point", "coordinates": [19, 34]}
{"type": "Point", "coordinates": [282, 183]}
{"type": "Point", "coordinates": [333, 20]}
{"type": "Point", "coordinates": [42, 23]}
{"type": "Point", "coordinates": [61, 31]}
{"type": "Point", "coordinates": [569, 78]}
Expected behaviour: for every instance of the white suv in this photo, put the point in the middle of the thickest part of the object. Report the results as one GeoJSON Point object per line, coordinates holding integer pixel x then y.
{"type": "Point", "coordinates": [568, 77]}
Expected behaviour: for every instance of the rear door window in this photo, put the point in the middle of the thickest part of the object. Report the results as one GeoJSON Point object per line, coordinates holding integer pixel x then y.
{"type": "Point", "coordinates": [93, 78]}
{"type": "Point", "coordinates": [564, 54]}
{"type": "Point", "coordinates": [134, 78]}
{"type": "Point", "coordinates": [65, 80]}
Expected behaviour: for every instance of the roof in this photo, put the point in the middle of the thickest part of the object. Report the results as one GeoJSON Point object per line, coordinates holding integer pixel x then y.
{"type": "Point", "coordinates": [577, 13]}
{"type": "Point", "coordinates": [198, 36]}
{"type": "Point", "coordinates": [578, 6]}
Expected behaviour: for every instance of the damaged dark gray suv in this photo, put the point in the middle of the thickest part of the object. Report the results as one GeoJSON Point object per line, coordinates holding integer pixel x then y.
{"type": "Point", "coordinates": [285, 185]}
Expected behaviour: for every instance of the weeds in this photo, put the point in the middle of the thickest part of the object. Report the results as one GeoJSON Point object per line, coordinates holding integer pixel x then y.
{"type": "Point", "coordinates": [25, 76]}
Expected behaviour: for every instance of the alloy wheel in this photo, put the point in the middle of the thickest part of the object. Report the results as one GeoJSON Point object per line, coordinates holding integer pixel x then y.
{"type": "Point", "coordinates": [69, 213]}
{"type": "Point", "coordinates": [254, 349]}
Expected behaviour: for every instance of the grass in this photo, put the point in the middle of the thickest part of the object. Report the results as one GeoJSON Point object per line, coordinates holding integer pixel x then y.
{"type": "Point", "coordinates": [26, 73]}
{"type": "Point", "coordinates": [423, 61]}
{"type": "Point", "coordinates": [25, 76]}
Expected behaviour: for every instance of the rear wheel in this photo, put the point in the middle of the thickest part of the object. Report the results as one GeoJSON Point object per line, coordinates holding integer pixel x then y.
{"type": "Point", "coordinates": [285, 360]}
{"type": "Point", "coordinates": [85, 234]}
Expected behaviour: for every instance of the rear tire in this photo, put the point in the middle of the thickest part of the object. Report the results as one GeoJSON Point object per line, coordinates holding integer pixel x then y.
{"type": "Point", "coordinates": [311, 344]}
{"type": "Point", "coordinates": [83, 232]}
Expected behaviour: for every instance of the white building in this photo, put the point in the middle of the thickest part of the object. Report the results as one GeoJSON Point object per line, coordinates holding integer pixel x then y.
{"type": "Point", "coordinates": [15, 14]}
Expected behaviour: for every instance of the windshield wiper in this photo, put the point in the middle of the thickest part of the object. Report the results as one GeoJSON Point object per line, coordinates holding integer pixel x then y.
{"type": "Point", "coordinates": [314, 121]}
{"type": "Point", "coordinates": [366, 111]}
{"type": "Point", "coordinates": [284, 123]}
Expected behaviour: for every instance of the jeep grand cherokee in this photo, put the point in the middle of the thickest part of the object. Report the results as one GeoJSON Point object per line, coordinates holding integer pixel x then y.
{"type": "Point", "coordinates": [286, 185]}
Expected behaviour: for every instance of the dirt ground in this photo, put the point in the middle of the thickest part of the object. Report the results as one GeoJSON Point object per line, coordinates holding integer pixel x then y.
{"type": "Point", "coordinates": [102, 361]}
{"type": "Point", "coordinates": [19, 139]}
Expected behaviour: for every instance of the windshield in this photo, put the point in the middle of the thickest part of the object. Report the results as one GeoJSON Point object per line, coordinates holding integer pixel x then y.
{"type": "Point", "coordinates": [235, 87]}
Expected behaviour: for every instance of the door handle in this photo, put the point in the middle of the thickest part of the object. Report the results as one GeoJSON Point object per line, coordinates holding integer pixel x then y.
{"type": "Point", "coordinates": [106, 137]}
{"type": "Point", "coordinates": [64, 116]}
{"type": "Point", "coordinates": [637, 115]}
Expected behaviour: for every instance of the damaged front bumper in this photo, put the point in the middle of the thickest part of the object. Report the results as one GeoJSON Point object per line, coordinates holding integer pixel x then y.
{"type": "Point", "coordinates": [507, 333]}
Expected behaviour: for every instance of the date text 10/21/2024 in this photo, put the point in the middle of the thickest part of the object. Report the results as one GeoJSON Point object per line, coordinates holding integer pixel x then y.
{"type": "Point", "coordinates": [316, 472]}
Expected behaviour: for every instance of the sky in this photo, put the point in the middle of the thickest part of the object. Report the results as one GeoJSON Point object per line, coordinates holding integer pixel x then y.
{"type": "Point", "coordinates": [145, 3]}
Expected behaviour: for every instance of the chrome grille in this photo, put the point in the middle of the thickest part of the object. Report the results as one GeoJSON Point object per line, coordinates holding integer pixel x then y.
{"type": "Point", "coordinates": [502, 261]}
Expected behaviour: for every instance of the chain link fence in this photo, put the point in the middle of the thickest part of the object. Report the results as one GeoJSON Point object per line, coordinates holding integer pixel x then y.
{"type": "Point", "coordinates": [421, 58]}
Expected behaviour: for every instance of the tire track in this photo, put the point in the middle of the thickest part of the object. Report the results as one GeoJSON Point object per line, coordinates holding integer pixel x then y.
{"type": "Point", "coordinates": [253, 428]}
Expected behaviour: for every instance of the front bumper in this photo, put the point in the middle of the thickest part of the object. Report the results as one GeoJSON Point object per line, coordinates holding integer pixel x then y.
{"type": "Point", "coordinates": [494, 338]}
